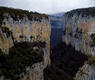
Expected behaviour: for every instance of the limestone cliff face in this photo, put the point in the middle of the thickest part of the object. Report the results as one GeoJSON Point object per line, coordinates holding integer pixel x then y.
{"type": "Point", "coordinates": [36, 71]}
{"type": "Point", "coordinates": [87, 72]}
{"type": "Point", "coordinates": [79, 31]}
{"type": "Point", "coordinates": [25, 29]}
{"type": "Point", "coordinates": [5, 42]}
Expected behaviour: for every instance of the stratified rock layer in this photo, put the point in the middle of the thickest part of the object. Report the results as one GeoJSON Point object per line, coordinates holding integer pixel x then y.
{"type": "Point", "coordinates": [79, 31]}
{"type": "Point", "coordinates": [23, 26]}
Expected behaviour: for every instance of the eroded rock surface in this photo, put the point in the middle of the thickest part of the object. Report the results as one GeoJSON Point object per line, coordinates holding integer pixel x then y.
{"type": "Point", "coordinates": [79, 31]}
{"type": "Point", "coordinates": [79, 25]}
{"type": "Point", "coordinates": [23, 26]}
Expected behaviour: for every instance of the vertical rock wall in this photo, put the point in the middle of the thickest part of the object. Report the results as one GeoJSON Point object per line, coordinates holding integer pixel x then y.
{"type": "Point", "coordinates": [25, 29]}
{"type": "Point", "coordinates": [36, 70]}
{"type": "Point", "coordinates": [87, 72]}
{"type": "Point", "coordinates": [79, 31]}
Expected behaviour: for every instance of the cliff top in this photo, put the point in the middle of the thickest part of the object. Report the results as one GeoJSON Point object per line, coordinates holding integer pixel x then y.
{"type": "Point", "coordinates": [83, 11]}
{"type": "Point", "coordinates": [17, 14]}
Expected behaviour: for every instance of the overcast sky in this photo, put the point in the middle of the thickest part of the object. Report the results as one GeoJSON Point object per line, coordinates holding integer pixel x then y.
{"type": "Point", "coordinates": [48, 6]}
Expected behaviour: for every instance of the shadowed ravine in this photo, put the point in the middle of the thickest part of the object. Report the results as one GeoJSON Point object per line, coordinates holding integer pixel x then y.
{"type": "Point", "coordinates": [56, 36]}
{"type": "Point", "coordinates": [65, 62]}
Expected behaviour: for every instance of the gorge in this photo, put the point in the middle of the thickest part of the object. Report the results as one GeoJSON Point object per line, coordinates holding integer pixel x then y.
{"type": "Point", "coordinates": [73, 58]}
{"type": "Point", "coordinates": [36, 46]}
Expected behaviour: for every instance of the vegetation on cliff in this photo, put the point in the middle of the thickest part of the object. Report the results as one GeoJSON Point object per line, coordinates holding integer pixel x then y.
{"type": "Point", "coordinates": [21, 56]}
{"type": "Point", "coordinates": [6, 31]}
{"type": "Point", "coordinates": [19, 14]}
{"type": "Point", "coordinates": [84, 12]}
{"type": "Point", "coordinates": [92, 40]}
{"type": "Point", "coordinates": [91, 60]}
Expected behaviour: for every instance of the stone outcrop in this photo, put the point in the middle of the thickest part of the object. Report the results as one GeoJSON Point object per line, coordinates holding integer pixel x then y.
{"type": "Point", "coordinates": [87, 72]}
{"type": "Point", "coordinates": [36, 71]}
{"type": "Point", "coordinates": [79, 32]}
{"type": "Point", "coordinates": [23, 30]}
{"type": "Point", "coordinates": [23, 26]}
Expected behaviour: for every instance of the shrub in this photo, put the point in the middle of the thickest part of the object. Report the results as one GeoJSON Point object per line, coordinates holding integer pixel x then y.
{"type": "Point", "coordinates": [7, 31]}
{"type": "Point", "coordinates": [17, 14]}
{"type": "Point", "coordinates": [20, 56]}
{"type": "Point", "coordinates": [91, 60]}
{"type": "Point", "coordinates": [93, 40]}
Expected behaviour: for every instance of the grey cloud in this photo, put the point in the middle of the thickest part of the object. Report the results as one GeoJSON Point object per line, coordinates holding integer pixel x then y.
{"type": "Point", "coordinates": [47, 6]}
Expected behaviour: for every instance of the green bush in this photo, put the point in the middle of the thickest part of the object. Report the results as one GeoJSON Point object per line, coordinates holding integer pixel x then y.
{"type": "Point", "coordinates": [17, 14]}
{"type": "Point", "coordinates": [7, 31]}
{"type": "Point", "coordinates": [93, 40]}
{"type": "Point", "coordinates": [91, 60]}
{"type": "Point", "coordinates": [20, 56]}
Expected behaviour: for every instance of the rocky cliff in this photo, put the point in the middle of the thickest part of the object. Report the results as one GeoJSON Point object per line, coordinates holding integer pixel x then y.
{"type": "Point", "coordinates": [79, 31]}
{"type": "Point", "coordinates": [19, 26]}
{"type": "Point", "coordinates": [87, 72]}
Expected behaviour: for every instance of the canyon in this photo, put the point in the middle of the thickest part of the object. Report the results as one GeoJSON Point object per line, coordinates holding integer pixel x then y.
{"type": "Point", "coordinates": [36, 46]}
{"type": "Point", "coordinates": [73, 58]}
{"type": "Point", "coordinates": [56, 22]}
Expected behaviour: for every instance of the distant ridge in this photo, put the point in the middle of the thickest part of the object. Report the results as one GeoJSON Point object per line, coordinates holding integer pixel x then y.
{"type": "Point", "coordinates": [82, 11]}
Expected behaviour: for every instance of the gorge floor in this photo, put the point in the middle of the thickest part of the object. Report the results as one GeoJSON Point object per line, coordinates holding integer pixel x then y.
{"type": "Point", "coordinates": [65, 62]}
